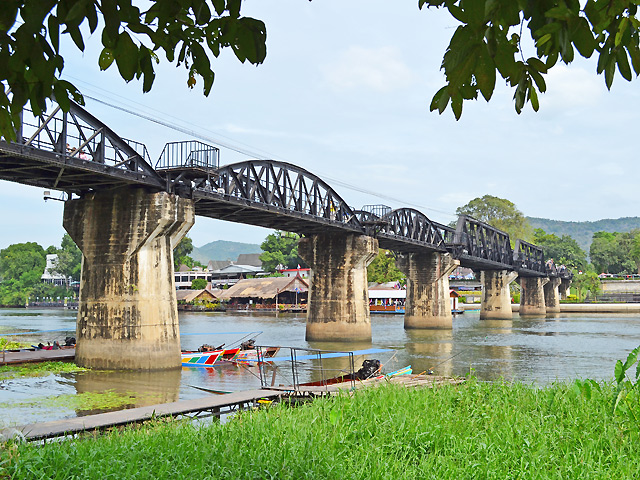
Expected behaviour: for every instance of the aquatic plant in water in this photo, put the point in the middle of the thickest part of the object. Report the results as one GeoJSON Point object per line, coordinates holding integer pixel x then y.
{"type": "Point", "coordinates": [8, 372]}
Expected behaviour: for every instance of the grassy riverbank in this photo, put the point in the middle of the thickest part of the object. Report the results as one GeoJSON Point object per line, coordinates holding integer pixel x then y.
{"type": "Point", "coordinates": [475, 430]}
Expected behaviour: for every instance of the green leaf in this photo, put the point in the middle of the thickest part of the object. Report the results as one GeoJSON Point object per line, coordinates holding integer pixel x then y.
{"type": "Point", "coordinates": [609, 72]}
{"type": "Point", "coordinates": [485, 73]}
{"type": "Point", "coordinates": [54, 32]}
{"type": "Point", "coordinates": [61, 96]}
{"type": "Point", "coordinates": [456, 105]}
{"type": "Point", "coordinates": [126, 56]}
{"type": "Point", "coordinates": [76, 13]}
{"type": "Point", "coordinates": [76, 35]}
{"type": "Point", "coordinates": [583, 38]}
{"type": "Point", "coordinates": [440, 100]}
{"type": "Point", "coordinates": [543, 39]}
{"type": "Point", "coordinates": [533, 98]}
{"type": "Point", "coordinates": [619, 371]}
{"type": "Point", "coordinates": [621, 29]}
{"type": "Point", "coordinates": [219, 6]}
{"type": "Point", "coordinates": [623, 64]}
{"type": "Point", "coordinates": [603, 59]}
{"type": "Point", "coordinates": [106, 58]}
{"type": "Point", "coordinates": [621, 394]}
{"type": "Point", "coordinates": [537, 64]}
{"type": "Point", "coordinates": [474, 10]}
{"type": "Point", "coordinates": [631, 358]}
{"type": "Point", "coordinates": [561, 13]}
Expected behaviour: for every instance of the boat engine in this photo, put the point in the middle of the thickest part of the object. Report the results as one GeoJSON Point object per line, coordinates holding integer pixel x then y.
{"type": "Point", "coordinates": [370, 368]}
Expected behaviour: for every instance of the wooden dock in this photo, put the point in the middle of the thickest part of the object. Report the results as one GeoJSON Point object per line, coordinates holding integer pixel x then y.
{"type": "Point", "coordinates": [214, 404]}
{"type": "Point", "coordinates": [34, 356]}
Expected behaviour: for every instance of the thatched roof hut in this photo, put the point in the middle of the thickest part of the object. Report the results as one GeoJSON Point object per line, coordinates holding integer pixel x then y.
{"type": "Point", "coordinates": [262, 289]}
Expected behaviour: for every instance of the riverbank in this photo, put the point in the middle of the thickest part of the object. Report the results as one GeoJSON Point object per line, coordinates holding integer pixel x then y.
{"type": "Point", "coordinates": [474, 430]}
{"type": "Point", "coordinates": [574, 307]}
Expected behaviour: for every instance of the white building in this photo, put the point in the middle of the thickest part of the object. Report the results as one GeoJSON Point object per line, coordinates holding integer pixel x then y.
{"type": "Point", "coordinates": [50, 276]}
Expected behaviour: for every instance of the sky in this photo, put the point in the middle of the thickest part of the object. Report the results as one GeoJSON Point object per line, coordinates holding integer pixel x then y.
{"type": "Point", "coordinates": [344, 92]}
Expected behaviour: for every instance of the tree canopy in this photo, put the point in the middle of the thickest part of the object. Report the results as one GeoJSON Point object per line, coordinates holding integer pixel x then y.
{"type": "Point", "coordinates": [490, 41]}
{"type": "Point", "coordinates": [185, 32]}
{"type": "Point", "coordinates": [383, 268]}
{"type": "Point", "coordinates": [615, 252]}
{"type": "Point", "coordinates": [499, 213]}
{"type": "Point", "coordinates": [563, 250]}
{"type": "Point", "coordinates": [181, 254]}
{"type": "Point", "coordinates": [21, 269]}
{"type": "Point", "coordinates": [280, 249]}
{"type": "Point", "coordinates": [69, 261]}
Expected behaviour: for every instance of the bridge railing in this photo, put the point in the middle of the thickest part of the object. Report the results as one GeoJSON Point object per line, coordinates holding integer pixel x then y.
{"type": "Point", "coordinates": [189, 154]}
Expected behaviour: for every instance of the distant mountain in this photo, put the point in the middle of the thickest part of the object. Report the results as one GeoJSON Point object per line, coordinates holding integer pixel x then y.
{"type": "Point", "coordinates": [223, 250]}
{"type": "Point", "coordinates": [582, 232]}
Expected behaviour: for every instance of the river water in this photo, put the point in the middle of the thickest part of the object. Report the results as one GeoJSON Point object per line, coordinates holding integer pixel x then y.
{"type": "Point", "coordinates": [531, 350]}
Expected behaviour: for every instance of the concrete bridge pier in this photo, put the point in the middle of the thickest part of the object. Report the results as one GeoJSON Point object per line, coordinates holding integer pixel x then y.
{"type": "Point", "coordinates": [552, 295]}
{"type": "Point", "coordinates": [532, 296]}
{"type": "Point", "coordinates": [127, 316]}
{"type": "Point", "coordinates": [496, 297]}
{"type": "Point", "coordinates": [428, 303]}
{"type": "Point", "coordinates": [565, 284]}
{"type": "Point", "coordinates": [338, 305]}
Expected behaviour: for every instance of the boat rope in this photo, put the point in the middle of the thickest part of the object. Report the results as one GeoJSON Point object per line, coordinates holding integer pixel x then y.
{"type": "Point", "coordinates": [444, 361]}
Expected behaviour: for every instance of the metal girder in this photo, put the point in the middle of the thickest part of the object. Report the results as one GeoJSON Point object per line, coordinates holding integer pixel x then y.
{"type": "Point", "coordinates": [275, 195]}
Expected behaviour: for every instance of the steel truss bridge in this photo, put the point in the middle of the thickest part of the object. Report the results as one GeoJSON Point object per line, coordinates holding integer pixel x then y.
{"type": "Point", "coordinates": [76, 153]}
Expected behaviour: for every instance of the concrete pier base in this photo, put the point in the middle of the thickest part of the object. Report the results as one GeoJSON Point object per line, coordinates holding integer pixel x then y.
{"type": "Point", "coordinates": [552, 295]}
{"type": "Point", "coordinates": [338, 305]}
{"type": "Point", "coordinates": [532, 296]}
{"type": "Point", "coordinates": [127, 315]}
{"type": "Point", "coordinates": [428, 304]}
{"type": "Point", "coordinates": [496, 297]}
{"type": "Point", "coordinates": [564, 288]}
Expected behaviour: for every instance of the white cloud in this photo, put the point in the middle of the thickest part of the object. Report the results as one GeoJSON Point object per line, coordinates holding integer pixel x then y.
{"type": "Point", "coordinates": [571, 86]}
{"type": "Point", "coordinates": [378, 69]}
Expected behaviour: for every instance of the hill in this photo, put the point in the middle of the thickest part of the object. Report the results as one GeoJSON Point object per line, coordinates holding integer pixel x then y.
{"type": "Point", "coordinates": [223, 250]}
{"type": "Point", "coordinates": [583, 231]}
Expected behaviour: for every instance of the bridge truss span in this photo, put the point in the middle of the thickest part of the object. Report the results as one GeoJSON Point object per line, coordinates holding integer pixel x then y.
{"type": "Point", "coordinates": [409, 230]}
{"type": "Point", "coordinates": [480, 246]}
{"type": "Point", "coordinates": [277, 195]}
{"type": "Point", "coordinates": [74, 152]}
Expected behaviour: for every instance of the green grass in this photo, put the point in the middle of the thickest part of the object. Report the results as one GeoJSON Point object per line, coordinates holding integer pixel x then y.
{"type": "Point", "coordinates": [40, 369]}
{"type": "Point", "coordinates": [476, 430]}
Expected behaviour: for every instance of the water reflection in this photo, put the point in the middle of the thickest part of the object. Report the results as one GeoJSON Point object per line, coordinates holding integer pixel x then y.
{"type": "Point", "coordinates": [530, 349]}
{"type": "Point", "coordinates": [138, 389]}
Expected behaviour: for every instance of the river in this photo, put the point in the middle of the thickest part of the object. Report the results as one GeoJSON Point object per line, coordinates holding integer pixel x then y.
{"type": "Point", "coordinates": [530, 350]}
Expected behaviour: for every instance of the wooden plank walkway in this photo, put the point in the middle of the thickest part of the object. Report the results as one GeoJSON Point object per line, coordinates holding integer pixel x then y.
{"type": "Point", "coordinates": [214, 403]}
{"type": "Point", "coordinates": [217, 404]}
{"type": "Point", "coordinates": [29, 356]}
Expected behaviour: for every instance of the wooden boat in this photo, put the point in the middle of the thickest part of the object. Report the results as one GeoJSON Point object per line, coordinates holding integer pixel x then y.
{"type": "Point", "coordinates": [368, 370]}
{"type": "Point", "coordinates": [222, 356]}
{"type": "Point", "coordinates": [251, 355]}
